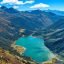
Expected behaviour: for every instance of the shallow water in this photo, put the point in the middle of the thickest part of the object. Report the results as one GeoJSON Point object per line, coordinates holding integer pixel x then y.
{"type": "Point", "coordinates": [35, 48]}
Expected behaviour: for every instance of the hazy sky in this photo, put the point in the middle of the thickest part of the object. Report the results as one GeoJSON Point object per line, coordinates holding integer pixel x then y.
{"type": "Point", "coordinates": [34, 4]}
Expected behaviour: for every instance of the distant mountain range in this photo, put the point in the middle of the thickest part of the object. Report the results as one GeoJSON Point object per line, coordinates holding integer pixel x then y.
{"type": "Point", "coordinates": [47, 24]}
{"type": "Point", "coordinates": [61, 13]}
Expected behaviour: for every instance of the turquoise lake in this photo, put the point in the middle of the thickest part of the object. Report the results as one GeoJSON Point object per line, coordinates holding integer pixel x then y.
{"type": "Point", "coordinates": [35, 48]}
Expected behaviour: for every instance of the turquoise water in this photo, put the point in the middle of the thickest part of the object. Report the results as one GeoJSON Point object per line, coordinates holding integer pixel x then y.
{"type": "Point", "coordinates": [35, 48]}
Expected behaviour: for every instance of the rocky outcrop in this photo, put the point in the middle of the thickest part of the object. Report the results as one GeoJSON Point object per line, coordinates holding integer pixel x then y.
{"type": "Point", "coordinates": [53, 61]}
{"type": "Point", "coordinates": [6, 57]}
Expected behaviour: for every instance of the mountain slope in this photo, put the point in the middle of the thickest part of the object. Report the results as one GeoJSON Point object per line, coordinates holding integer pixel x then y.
{"type": "Point", "coordinates": [54, 38]}
{"type": "Point", "coordinates": [11, 21]}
